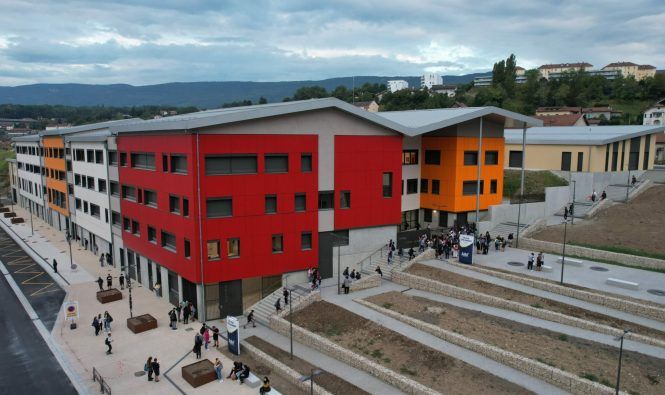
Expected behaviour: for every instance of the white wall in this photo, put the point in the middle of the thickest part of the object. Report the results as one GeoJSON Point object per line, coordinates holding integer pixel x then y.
{"type": "Point", "coordinates": [411, 202]}
{"type": "Point", "coordinates": [362, 242]}
{"type": "Point", "coordinates": [35, 178]}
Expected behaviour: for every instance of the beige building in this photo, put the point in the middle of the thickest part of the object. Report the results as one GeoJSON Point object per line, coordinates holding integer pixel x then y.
{"type": "Point", "coordinates": [547, 69]}
{"type": "Point", "coordinates": [627, 69]}
{"type": "Point", "coordinates": [584, 148]}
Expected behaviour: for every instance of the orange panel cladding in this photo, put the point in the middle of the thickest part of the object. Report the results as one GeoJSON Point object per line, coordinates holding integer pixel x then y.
{"type": "Point", "coordinates": [56, 171]}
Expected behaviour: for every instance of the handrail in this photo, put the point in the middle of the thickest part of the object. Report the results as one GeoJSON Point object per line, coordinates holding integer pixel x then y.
{"type": "Point", "coordinates": [103, 385]}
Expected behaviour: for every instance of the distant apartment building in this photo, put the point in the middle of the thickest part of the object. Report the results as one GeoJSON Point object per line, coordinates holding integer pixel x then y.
{"type": "Point", "coordinates": [30, 171]}
{"type": "Point", "coordinates": [630, 69]}
{"type": "Point", "coordinates": [547, 69]}
{"type": "Point", "coordinates": [593, 115]}
{"type": "Point", "coordinates": [428, 80]}
{"type": "Point", "coordinates": [486, 80]}
{"type": "Point", "coordinates": [607, 74]}
{"type": "Point", "coordinates": [13, 179]}
{"type": "Point", "coordinates": [448, 90]}
{"type": "Point", "coordinates": [655, 115]}
{"type": "Point", "coordinates": [371, 106]}
{"type": "Point", "coordinates": [397, 85]}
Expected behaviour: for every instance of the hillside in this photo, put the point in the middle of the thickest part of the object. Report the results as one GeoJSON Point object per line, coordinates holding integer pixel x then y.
{"type": "Point", "coordinates": [199, 94]}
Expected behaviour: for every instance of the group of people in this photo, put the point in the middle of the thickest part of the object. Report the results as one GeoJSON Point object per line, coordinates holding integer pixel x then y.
{"type": "Point", "coordinates": [202, 339]}
{"type": "Point", "coordinates": [239, 372]}
{"type": "Point", "coordinates": [314, 278]}
{"type": "Point", "coordinates": [392, 250]}
{"type": "Point", "coordinates": [100, 322]}
{"type": "Point", "coordinates": [109, 281]}
{"type": "Point", "coordinates": [539, 260]}
{"type": "Point", "coordinates": [278, 303]}
{"type": "Point", "coordinates": [152, 368]}
{"type": "Point", "coordinates": [350, 277]}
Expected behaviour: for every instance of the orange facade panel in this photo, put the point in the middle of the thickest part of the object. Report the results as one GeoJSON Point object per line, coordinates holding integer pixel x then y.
{"type": "Point", "coordinates": [56, 170]}
{"type": "Point", "coordinates": [452, 173]}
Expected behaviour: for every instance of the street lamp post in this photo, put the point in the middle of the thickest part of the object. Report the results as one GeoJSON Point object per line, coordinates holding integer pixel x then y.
{"type": "Point", "coordinates": [71, 259]}
{"type": "Point", "coordinates": [628, 186]}
{"type": "Point", "coordinates": [291, 321]}
{"type": "Point", "coordinates": [625, 332]}
{"type": "Point", "coordinates": [32, 229]}
{"type": "Point", "coordinates": [563, 257]}
{"type": "Point", "coordinates": [129, 286]}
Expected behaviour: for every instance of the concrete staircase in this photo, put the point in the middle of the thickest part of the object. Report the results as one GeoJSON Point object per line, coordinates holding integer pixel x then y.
{"type": "Point", "coordinates": [580, 210]}
{"type": "Point", "coordinates": [380, 258]}
{"type": "Point", "coordinates": [266, 306]}
{"type": "Point", "coordinates": [505, 228]}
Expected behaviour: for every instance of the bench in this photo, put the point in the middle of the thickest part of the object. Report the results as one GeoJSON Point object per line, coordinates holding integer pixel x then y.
{"type": "Point", "coordinates": [622, 283]}
{"type": "Point", "coordinates": [254, 381]}
{"type": "Point", "coordinates": [570, 261]}
{"type": "Point", "coordinates": [548, 269]}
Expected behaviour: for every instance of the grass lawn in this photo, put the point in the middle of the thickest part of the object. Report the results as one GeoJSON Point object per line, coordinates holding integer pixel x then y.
{"type": "Point", "coordinates": [535, 182]}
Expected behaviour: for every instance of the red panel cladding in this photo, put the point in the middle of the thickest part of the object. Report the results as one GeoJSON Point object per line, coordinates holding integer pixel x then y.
{"type": "Point", "coordinates": [249, 222]}
{"type": "Point", "coordinates": [160, 218]}
{"type": "Point", "coordinates": [360, 162]}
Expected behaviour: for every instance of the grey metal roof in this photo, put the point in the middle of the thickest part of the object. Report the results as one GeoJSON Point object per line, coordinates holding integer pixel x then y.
{"type": "Point", "coordinates": [30, 138]}
{"type": "Point", "coordinates": [88, 127]}
{"type": "Point", "coordinates": [580, 135]}
{"type": "Point", "coordinates": [92, 137]}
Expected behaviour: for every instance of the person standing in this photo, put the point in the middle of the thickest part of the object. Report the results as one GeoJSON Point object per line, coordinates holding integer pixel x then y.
{"type": "Point", "coordinates": [185, 314]}
{"type": "Point", "coordinates": [198, 342]}
{"type": "Point", "coordinates": [121, 279]}
{"type": "Point", "coordinates": [155, 369]}
{"type": "Point", "coordinates": [250, 319]}
{"type": "Point", "coordinates": [100, 282]}
{"type": "Point", "coordinates": [265, 387]}
{"type": "Point", "coordinates": [218, 370]}
{"type": "Point", "coordinates": [206, 337]}
{"type": "Point", "coordinates": [278, 305]}
{"type": "Point", "coordinates": [108, 342]}
{"type": "Point", "coordinates": [148, 368]}
{"type": "Point", "coordinates": [172, 319]}
{"type": "Point", "coordinates": [178, 310]}
{"type": "Point", "coordinates": [565, 213]}
{"type": "Point", "coordinates": [529, 265]}
{"type": "Point", "coordinates": [95, 324]}
{"type": "Point", "coordinates": [286, 296]}
{"type": "Point", "coordinates": [346, 284]}
{"type": "Point", "coordinates": [107, 321]}
{"type": "Point", "coordinates": [100, 322]}
{"type": "Point", "coordinates": [109, 281]}
{"type": "Point", "coordinates": [215, 335]}
{"type": "Point", "coordinates": [55, 266]}
{"type": "Point", "coordinates": [101, 260]}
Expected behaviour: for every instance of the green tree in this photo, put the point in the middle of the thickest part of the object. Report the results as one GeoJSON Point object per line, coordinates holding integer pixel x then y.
{"type": "Point", "coordinates": [310, 92]}
{"type": "Point", "coordinates": [263, 100]}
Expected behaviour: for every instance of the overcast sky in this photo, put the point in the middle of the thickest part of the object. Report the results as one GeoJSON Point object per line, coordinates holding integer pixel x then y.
{"type": "Point", "coordinates": [155, 41]}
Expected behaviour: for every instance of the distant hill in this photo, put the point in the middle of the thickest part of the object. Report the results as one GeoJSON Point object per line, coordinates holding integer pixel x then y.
{"type": "Point", "coordinates": [199, 94]}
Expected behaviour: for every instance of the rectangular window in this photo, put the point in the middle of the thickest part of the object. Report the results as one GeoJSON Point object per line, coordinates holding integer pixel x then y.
{"type": "Point", "coordinates": [424, 185]}
{"type": "Point", "coordinates": [580, 161]}
{"type": "Point", "coordinates": [271, 204]}
{"type": "Point", "coordinates": [387, 185]}
{"type": "Point", "coordinates": [178, 164]}
{"type": "Point", "coordinates": [565, 161]}
{"type": "Point", "coordinates": [123, 159]}
{"type": "Point", "coordinates": [647, 148]}
{"type": "Point", "coordinates": [129, 193]}
{"type": "Point", "coordinates": [115, 189]}
{"type": "Point", "coordinates": [634, 155]}
{"type": "Point", "coordinates": [219, 207]}
{"type": "Point", "coordinates": [101, 185]}
{"type": "Point", "coordinates": [213, 250]}
{"type": "Point", "coordinates": [615, 155]}
{"type": "Point", "coordinates": [470, 187]}
{"type": "Point", "coordinates": [306, 163]}
{"type": "Point", "coordinates": [326, 200]}
{"type": "Point", "coordinates": [115, 218]}
{"type": "Point", "coordinates": [77, 203]}
{"type": "Point", "coordinates": [410, 157]}
{"type": "Point", "coordinates": [345, 199]}
{"type": "Point", "coordinates": [113, 158]}
{"type": "Point", "coordinates": [126, 224]}
{"type": "Point", "coordinates": [411, 186]}
{"type": "Point", "coordinates": [152, 234]}
{"type": "Point", "coordinates": [427, 215]}
{"type": "Point", "coordinates": [607, 156]}
{"type": "Point", "coordinates": [277, 243]}
{"type": "Point", "coordinates": [165, 163]}
{"type": "Point", "coordinates": [136, 229]}
{"type": "Point", "coordinates": [185, 207]}
{"type": "Point", "coordinates": [230, 164]}
{"type": "Point", "coordinates": [435, 187]}
{"type": "Point", "coordinates": [491, 157]}
{"type": "Point", "coordinates": [143, 160]}
{"type": "Point", "coordinates": [493, 186]}
{"type": "Point", "coordinates": [188, 253]}
{"type": "Point", "coordinates": [77, 179]}
{"type": "Point", "coordinates": [300, 202]}
{"type": "Point", "coordinates": [432, 157]}
{"type": "Point", "coordinates": [85, 207]}
{"type": "Point", "coordinates": [515, 159]}
{"type": "Point", "coordinates": [79, 155]}
{"type": "Point", "coordinates": [150, 198]}
{"type": "Point", "coordinates": [99, 156]}
{"type": "Point", "coordinates": [233, 248]}
{"type": "Point", "coordinates": [306, 241]}
{"type": "Point", "coordinates": [106, 215]}
{"type": "Point", "coordinates": [90, 156]}
{"type": "Point", "coordinates": [470, 158]}
{"type": "Point", "coordinates": [91, 183]}
{"type": "Point", "coordinates": [168, 241]}
{"type": "Point", "coordinates": [277, 163]}
{"type": "Point", "coordinates": [174, 204]}
{"type": "Point", "coordinates": [94, 210]}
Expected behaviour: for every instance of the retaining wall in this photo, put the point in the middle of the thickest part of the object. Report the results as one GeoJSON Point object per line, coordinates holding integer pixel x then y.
{"type": "Point", "coordinates": [369, 281]}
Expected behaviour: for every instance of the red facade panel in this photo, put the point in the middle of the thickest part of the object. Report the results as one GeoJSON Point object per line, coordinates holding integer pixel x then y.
{"type": "Point", "coordinates": [360, 162]}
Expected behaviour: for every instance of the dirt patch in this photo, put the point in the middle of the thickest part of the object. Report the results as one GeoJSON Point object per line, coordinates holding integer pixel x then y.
{"type": "Point", "coordinates": [640, 373]}
{"type": "Point", "coordinates": [487, 288]}
{"type": "Point", "coordinates": [399, 353]}
{"type": "Point", "coordinates": [259, 369]}
{"type": "Point", "coordinates": [616, 225]}
{"type": "Point", "coordinates": [327, 380]}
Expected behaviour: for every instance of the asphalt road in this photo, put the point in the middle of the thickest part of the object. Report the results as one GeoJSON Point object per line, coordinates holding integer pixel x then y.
{"type": "Point", "coordinates": [26, 363]}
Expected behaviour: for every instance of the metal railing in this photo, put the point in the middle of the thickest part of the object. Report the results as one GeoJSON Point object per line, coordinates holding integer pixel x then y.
{"type": "Point", "coordinates": [104, 388]}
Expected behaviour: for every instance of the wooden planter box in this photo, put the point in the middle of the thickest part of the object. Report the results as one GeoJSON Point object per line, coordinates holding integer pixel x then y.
{"type": "Point", "coordinates": [9, 215]}
{"type": "Point", "coordinates": [142, 323]}
{"type": "Point", "coordinates": [17, 220]}
{"type": "Point", "coordinates": [199, 373]}
{"type": "Point", "coordinates": [4, 209]}
{"type": "Point", "coordinates": [110, 295]}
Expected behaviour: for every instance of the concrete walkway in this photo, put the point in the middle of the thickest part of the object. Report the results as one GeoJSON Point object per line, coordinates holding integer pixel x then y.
{"type": "Point", "coordinates": [549, 295]}
{"type": "Point", "coordinates": [472, 358]}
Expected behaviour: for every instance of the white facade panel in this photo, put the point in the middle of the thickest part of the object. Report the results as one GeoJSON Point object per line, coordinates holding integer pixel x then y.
{"type": "Point", "coordinates": [411, 201]}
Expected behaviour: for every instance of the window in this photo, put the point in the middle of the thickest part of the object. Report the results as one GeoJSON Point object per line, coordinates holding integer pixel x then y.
{"type": "Point", "coordinates": [515, 159]}
{"type": "Point", "coordinates": [213, 250]}
{"type": "Point", "coordinates": [143, 160]}
{"type": "Point", "coordinates": [178, 164]}
{"type": "Point", "coordinates": [94, 210]}
{"type": "Point", "coordinates": [230, 164]}
{"type": "Point", "coordinates": [424, 185]}
{"type": "Point", "coordinates": [326, 200]}
{"type": "Point", "coordinates": [427, 215]}
{"type": "Point", "coordinates": [345, 199]}
{"type": "Point", "coordinates": [647, 148]}
{"type": "Point", "coordinates": [77, 203]}
{"type": "Point", "coordinates": [470, 187]}
{"type": "Point", "coordinates": [306, 241]}
{"type": "Point", "coordinates": [493, 184]}
{"type": "Point", "coordinates": [136, 230]}
{"type": "Point", "coordinates": [470, 158]}
{"type": "Point", "coordinates": [491, 157]}
{"type": "Point", "coordinates": [411, 186]}
{"type": "Point", "coordinates": [150, 198]}
{"type": "Point", "coordinates": [106, 215]}
{"type": "Point", "coordinates": [79, 155]}
{"type": "Point", "coordinates": [115, 218]}
{"type": "Point", "coordinates": [129, 193]}
{"type": "Point", "coordinates": [174, 204]}
{"type": "Point", "coordinates": [101, 185]}
{"type": "Point", "coordinates": [410, 157]}
{"type": "Point", "coordinates": [84, 181]}
{"type": "Point", "coordinates": [113, 158]}
{"type": "Point", "coordinates": [435, 187]}
{"type": "Point", "coordinates": [85, 207]}
{"type": "Point", "coordinates": [219, 207]}
{"type": "Point", "coordinates": [565, 161]}
{"type": "Point", "coordinates": [580, 161]}
{"type": "Point", "coordinates": [271, 204]}
{"type": "Point", "coordinates": [77, 179]}
{"type": "Point", "coordinates": [152, 234]}
{"type": "Point", "coordinates": [634, 155]}
{"type": "Point", "coordinates": [90, 156]}
{"type": "Point", "coordinates": [168, 241]}
{"type": "Point", "coordinates": [185, 207]}
{"type": "Point", "coordinates": [188, 253]}
{"type": "Point", "coordinates": [387, 185]}
{"type": "Point", "coordinates": [99, 156]}
{"type": "Point", "coordinates": [126, 224]}
{"type": "Point", "coordinates": [123, 159]}
{"type": "Point", "coordinates": [277, 243]}
{"type": "Point", "coordinates": [432, 157]}
{"type": "Point", "coordinates": [615, 155]}
{"type": "Point", "coordinates": [115, 189]}
{"type": "Point", "coordinates": [306, 163]}
{"type": "Point", "coordinates": [233, 248]}
{"type": "Point", "coordinates": [300, 202]}
{"type": "Point", "coordinates": [277, 163]}
{"type": "Point", "coordinates": [165, 163]}
{"type": "Point", "coordinates": [91, 183]}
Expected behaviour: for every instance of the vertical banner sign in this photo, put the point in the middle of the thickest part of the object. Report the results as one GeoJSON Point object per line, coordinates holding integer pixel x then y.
{"type": "Point", "coordinates": [233, 334]}
{"type": "Point", "coordinates": [466, 249]}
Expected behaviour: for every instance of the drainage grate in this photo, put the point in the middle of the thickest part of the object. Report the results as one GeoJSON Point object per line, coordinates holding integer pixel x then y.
{"type": "Point", "coordinates": [515, 263]}
{"type": "Point", "coordinates": [658, 292]}
{"type": "Point", "coordinates": [599, 268]}
{"type": "Point", "coordinates": [189, 329]}
{"type": "Point", "coordinates": [139, 374]}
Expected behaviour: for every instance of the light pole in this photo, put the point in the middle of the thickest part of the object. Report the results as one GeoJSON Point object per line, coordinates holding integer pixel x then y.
{"type": "Point", "coordinates": [129, 286]}
{"type": "Point", "coordinates": [628, 186]}
{"type": "Point", "coordinates": [69, 241]}
{"type": "Point", "coordinates": [32, 229]}
{"type": "Point", "coordinates": [625, 332]}
{"type": "Point", "coordinates": [291, 321]}
{"type": "Point", "coordinates": [312, 373]}
{"type": "Point", "coordinates": [563, 257]}
{"type": "Point", "coordinates": [572, 214]}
